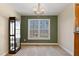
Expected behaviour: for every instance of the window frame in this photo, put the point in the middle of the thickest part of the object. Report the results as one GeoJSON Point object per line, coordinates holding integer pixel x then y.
{"type": "Point", "coordinates": [39, 38]}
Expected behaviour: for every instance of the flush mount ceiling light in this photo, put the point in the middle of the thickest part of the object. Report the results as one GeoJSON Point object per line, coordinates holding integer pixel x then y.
{"type": "Point", "coordinates": [39, 9]}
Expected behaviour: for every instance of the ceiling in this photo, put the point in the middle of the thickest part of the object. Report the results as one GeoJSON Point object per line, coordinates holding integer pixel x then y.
{"type": "Point", "coordinates": [27, 8]}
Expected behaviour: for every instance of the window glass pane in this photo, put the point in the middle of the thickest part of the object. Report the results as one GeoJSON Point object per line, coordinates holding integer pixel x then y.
{"type": "Point", "coordinates": [34, 28]}
{"type": "Point", "coordinates": [44, 33]}
{"type": "Point", "coordinates": [33, 33]}
{"type": "Point", "coordinates": [34, 24]}
{"type": "Point", "coordinates": [44, 28]}
{"type": "Point", "coordinates": [44, 24]}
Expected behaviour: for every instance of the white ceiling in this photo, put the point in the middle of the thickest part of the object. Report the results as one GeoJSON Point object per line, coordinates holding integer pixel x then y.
{"type": "Point", "coordinates": [27, 8]}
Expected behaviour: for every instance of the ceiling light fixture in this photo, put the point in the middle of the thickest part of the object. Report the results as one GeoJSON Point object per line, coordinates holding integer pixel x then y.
{"type": "Point", "coordinates": [39, 9]}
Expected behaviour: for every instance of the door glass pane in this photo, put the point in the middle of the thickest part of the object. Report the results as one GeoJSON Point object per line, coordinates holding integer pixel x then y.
{"type": "Point", "coordinates": [12, 28]}
{"type": "Point", "coordinates": [12, 48]}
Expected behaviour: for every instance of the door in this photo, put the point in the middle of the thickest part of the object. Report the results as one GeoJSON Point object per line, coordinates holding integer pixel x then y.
{"type": "Point", "coordinates": [76, 46]}
{"type": "Point", "coordinates": [76, 35]}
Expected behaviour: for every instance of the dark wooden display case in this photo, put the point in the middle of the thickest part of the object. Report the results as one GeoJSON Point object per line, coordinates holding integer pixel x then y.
{"type": "Point", "coordinates": [14, 39]}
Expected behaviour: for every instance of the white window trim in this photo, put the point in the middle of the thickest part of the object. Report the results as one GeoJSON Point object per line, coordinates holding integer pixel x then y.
{"type": "Point", "coordinates": [39, 38]}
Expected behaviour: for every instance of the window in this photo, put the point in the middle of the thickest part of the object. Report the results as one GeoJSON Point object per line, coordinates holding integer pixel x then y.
{"type": "Point", "coordinates": [38, 29]}
{"type": "Point", "coordinates": [17, 29]}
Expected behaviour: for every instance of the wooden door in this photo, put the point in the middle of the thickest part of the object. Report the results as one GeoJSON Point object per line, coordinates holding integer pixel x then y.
{"type": "Point", "coordinates": [77, 15]}
{"type": "Point", "coordinates": [76, 34]}
{"type": "Point", "coordinates": [76, 44]}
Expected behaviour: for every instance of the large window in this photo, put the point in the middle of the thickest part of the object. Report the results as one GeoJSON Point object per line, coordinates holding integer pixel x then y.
{"type": "Point", "coordinates": [38, 29]}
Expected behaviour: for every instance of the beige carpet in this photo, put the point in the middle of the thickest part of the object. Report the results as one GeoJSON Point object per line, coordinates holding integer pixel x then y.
{"type": "Point", "coordinates": [40, 51]}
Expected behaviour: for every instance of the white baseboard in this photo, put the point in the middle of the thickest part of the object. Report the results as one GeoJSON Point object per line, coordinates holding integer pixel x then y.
{"type": "Point", "coordinates": [66, 50]}
{"type": "Point", "coordinates": [39, 43]}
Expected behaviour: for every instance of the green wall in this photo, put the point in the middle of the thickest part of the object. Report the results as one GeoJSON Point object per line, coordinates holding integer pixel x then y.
{"type": "Point", "coordinates": [53, 29]}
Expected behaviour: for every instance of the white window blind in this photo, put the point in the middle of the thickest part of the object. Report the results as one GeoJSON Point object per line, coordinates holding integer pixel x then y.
{"type": "Point", "coordinates": [38, 29]}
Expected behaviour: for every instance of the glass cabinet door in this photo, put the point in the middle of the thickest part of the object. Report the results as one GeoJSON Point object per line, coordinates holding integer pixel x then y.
{"type": "Point", "coordinates": [14, 35]}
{"type": "Point", "coordinates": [12, 47]}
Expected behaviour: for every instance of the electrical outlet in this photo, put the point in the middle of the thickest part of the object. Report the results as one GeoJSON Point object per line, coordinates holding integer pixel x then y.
{"type": "Point", "coordinates": [24, 39]}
